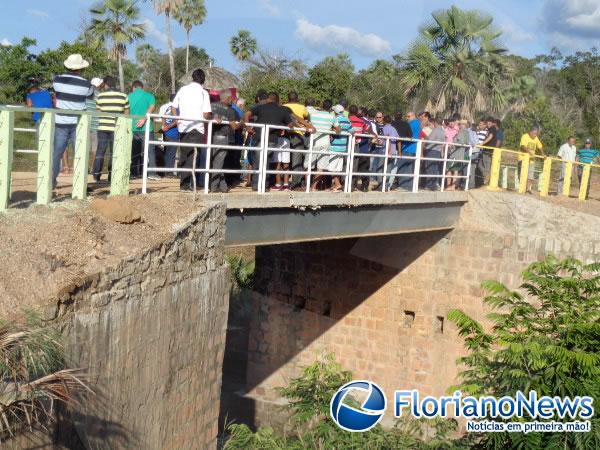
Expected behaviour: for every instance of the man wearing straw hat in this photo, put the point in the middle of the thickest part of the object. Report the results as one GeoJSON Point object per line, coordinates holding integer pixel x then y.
{"type": "Point", "coordinates": [71, 91]}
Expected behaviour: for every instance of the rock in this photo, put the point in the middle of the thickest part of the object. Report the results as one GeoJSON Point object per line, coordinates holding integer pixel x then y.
{"type": "Point", "coordinates": [116, 209]}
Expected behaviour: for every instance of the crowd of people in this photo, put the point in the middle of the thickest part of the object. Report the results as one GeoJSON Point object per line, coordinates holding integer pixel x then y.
{"type": "Point", "coordinates": [382, 142]}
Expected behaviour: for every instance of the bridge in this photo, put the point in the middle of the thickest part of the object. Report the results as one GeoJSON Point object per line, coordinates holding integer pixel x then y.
{"type": "Point", "coordinates": [367, 276]}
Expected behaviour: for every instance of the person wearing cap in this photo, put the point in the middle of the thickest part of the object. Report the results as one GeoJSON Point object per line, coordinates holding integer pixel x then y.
{"type": "Point", "coordinates": [339, 144]}
{"type": "Point", "coordinates": [71, 91]}
{"type": "Point", "coordinates": [567, 152]}
{"type": "Point", "coordinates": [90, 106]}
{"type": "Point", "coordinates": [587, 155]}
{"type": "Point", "coordinates": [530, 143]}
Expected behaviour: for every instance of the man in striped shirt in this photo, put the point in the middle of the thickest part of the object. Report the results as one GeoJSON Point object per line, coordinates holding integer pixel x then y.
{"type": "Point", "coordinates": [109, 101]}
{"type": "Point", "coordinates": [321, 120]}
{"type": "Point", "coordinates": [71, 91]}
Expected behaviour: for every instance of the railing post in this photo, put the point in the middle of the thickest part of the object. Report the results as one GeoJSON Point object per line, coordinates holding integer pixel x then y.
{"type": "Point", "coordinates": [417, 171]}
{"type": "Point", "coordinates": [121, 159]}
{"type": "Point", "coordinates": [444, 165]}
{"type": "Point", "coordinates": [311, 143]}
{"type": "Point", "coordinates": [385, 164]}
{"type": "Point", "coordinates": [546, 173]}
{"type": "Point", "coordinates": [264, 160]}
{"type": "Point", "coordinates": [469, 168]}
{"type": "Point", "coordinates": [350, 164]}
{"type": "Point", "coordinates": [585, 179]}
{"type": "Point", "coordinates": [495, 170]}
{"type": "Point", "coordinates": [207, 159]}
{"type": "Point", "coordinates": [45, 154]}
{"type": "Point", "coordinates": [566, 189]}
{"type": "Point", "coordinates": [145, 157]}
{"type": "Point", "coordinates": [524, 175]}
{"type": "Point", "coordinates": [81, 158]}
{"type": "Point", "coordinates": [7, 124]}
{"type": "Point", "coordinates": [504, 178]}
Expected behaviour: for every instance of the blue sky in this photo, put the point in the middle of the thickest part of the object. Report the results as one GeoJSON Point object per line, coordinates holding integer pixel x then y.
{"type": "Point", "coordinates": [364, 29]}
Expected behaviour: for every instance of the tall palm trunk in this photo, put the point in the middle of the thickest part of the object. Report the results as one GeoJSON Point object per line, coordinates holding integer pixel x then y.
{"type": "Point", "coordinates": [171, 55]}
{"type": "Point", "coordinates": [187, 52]}
{"type": "Point", "coordinates": [121, 74]}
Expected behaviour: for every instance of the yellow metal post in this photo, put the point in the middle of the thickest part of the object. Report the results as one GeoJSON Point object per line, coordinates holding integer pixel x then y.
{"type": "Point", "coordinates": [7, 122]}
{"type": "Point", "coordinates": [45, 155]}
{"type": "Point", "coordinates": [523, 176]}
{"type": "Point", "coordinates": [546, 173]}
{"type": "Point", "coordinates": [495, 170]}
{"type": "Point", "coordinates": [585, 179]}
{"type": "Point", "coordinates": [566, 190]}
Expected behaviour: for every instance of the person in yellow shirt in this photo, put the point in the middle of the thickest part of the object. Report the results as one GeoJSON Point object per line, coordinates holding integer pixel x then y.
{"type": "Point", "coordinates": [297, 141]}
{"type": "Point", "coordinates": [531, 144]}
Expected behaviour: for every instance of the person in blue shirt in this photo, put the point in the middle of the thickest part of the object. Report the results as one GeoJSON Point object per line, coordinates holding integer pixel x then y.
{"type": "Point", "coordinates": [170, 134]}
{"type": "Point", "coordinates": [38, 98]}
{"type": "Point", "coordinates": [587, 155]}
{"type": "Point", "coordinates": [339, 144]}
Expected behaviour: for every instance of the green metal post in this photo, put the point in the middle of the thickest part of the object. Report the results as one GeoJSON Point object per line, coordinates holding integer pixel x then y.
{"type": "Point", "coordinates": [121, 160]}
{"type": "Point", "coordinates": [45, 153]}
{"type": "Point", "coordinates": [7, 122]}
{"type": "Point", "coordinates": [82, 158]}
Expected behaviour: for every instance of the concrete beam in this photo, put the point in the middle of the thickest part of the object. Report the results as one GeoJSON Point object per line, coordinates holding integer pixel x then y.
{"type": "Point", "coordinates": [262, 226]}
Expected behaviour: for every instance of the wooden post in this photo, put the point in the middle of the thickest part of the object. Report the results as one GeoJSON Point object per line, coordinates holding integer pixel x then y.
{"type": "Point", "coordinates": [495, 170]}
{"type": "Point", "coordinates": [81, 158]}
{"type": "Point", "coordinates": [121, 159]}
{"type": "Point", "coordinates": [7, 122]}
{"type": "Point", "coordinates": [546, 173]}
{"type": "Point", "coordinates": [523, 176]}
{"type": "Point", "coordinates": [585, 179]}
{"type": "Point", "coordinates": [45, 156]}
{"type": "Point", "coordinates": [566, 190]}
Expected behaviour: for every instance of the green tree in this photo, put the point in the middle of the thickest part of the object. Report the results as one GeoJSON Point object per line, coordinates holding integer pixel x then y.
{"type": "Point", "coordinates": [243, 45]}
{"type": "Point", "coordinates": [308, 398]}
{"type": "Point", "coordinates": [553, 131]}
{"type": "Point", "coordinates": [167, 7]}
{"type": "Point", "coordinates": [189, 14]}
{"type": "Point", "coordinates": [547, 340]}
{"type": "Point", "coordinates": [17, 66]}
{"type": "Point", "coordinates": [114, 24]}
{"type": "Point", "coordinates": [377, 87]}
{"type": "Point", "coordinates": [456, 64]}
{"type": "Point", "coordinates": [331, 78]}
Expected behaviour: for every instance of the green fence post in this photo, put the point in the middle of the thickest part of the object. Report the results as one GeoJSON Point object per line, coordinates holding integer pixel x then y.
{"type": "Point", "coordinates": [81, 158]}
{"type": "Point", "coordinates": [7, 122]}
{"type": "Point", "coordinates": [121, 159]}
{"type": "Point", "coordinates": [45, 153]}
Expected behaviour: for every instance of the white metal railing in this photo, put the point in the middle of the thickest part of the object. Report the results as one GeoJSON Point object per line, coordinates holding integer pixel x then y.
{"type": "Point", "coordinates": [264, 150]}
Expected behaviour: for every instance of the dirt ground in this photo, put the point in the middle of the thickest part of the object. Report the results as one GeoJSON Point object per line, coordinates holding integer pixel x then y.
{"type": "Point", "coordinates": [43, 249]}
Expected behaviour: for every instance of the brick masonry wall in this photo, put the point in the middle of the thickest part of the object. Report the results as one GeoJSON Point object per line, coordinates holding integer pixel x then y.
{"type": "Point", "coordinates": [151, 332]}
{"type": "Point", "coordinates": [380, 304]}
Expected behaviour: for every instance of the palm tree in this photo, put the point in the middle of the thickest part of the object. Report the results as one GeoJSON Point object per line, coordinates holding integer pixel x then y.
{"type": "Point", "coordinates": [456, 63]}
{"type": "Point", "coordinates": [114, 22]}
{"type": "Point", "coordinates": [243, 45]}
{"type": "Point", "coordinates": [167, 7]}
{"type": "Point", "coordinates": [189, 14]}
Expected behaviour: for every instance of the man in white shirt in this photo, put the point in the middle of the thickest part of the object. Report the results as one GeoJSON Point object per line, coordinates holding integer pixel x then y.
{"type": "Point", "coordinates": [193, 102]}
{"type": "Point", "coordinates": [567, 152]}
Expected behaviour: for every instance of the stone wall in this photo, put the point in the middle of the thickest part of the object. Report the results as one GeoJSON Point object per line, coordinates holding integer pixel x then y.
{"type": "Point", "coordinates": [151, 333]}
{"type": "Point", "coordinates": [380, 304]}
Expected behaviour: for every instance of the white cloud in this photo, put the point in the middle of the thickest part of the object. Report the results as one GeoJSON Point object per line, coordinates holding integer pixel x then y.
{"type": "Point", "coordinates": [5, 43]}
{"type": "Point", "coordinates": [38, 13]}
{"type": "Point", "coordinates": [269, 7]}
{"type": "Point", "coordinates": [154, 32]}
{"type": "Point", "coordinates": [341, 39]}
{"type": "Point", "coordinates": [572, 24]}
{"type": "Point", "coordinates": [515, 34]}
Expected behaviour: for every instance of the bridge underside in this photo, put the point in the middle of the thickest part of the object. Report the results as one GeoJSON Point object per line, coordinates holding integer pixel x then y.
{"type": "Point", "coordinates": [299, 217]}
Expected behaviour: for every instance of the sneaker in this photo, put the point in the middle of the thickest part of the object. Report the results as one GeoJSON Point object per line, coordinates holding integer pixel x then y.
{"type": "Point", "coordinates": [286, 187]}
{"type": "Point", "coordinates": [277, 187]}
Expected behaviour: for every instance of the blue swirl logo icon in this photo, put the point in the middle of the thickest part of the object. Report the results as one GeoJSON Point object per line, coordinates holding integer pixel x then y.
{"type": "Point", "coordinates": [365, 417]}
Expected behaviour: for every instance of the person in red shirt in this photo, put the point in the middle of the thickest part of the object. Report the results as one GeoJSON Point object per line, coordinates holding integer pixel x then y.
{"type": "Point", "coordinates": [360, 164]}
